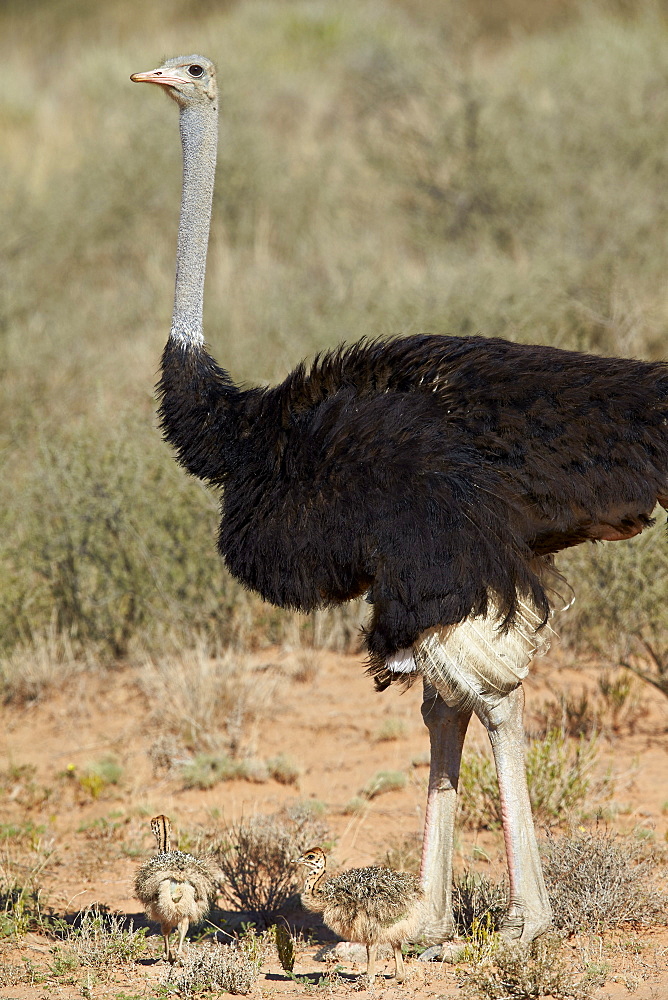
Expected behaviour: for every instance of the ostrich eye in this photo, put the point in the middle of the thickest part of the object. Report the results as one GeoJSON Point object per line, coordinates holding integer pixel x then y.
{"type": "Point", "coordinates": [195, 70]}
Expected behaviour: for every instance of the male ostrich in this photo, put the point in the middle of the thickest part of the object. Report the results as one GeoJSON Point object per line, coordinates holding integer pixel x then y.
{"type": "Point", "coordinates": [436, 474]}
{"type": "Point", "coordinates": [175, 888]}
{"type": "Point", "coordinates": [371, 905]}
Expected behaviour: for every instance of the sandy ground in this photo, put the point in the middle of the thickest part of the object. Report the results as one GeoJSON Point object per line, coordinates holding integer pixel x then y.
{"type": "Point", "coordinates": [80, 849]}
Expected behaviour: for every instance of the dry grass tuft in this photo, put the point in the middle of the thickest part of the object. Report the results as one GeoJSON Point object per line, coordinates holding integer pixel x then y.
{"type": "Point", "coordinates": [102, 939]}
{"type": "Point", "coordinates": [404, 854]}
{"type": "Point", "coordinates": [33, 669]}
{"type": "Point", "coordinates": [512, 973]}
{"type": "Point", "coordinates": [256, 857]}
{"type": "Point", "coordinates": [232, 968]}
{"type": "Point", "coordinates": [477, 902]}
{"type": "Point", "coordinates": [389, 730]}
{"type": "Point", "coordinates": [600, 881]}
{"type": "Point", "coordinates": [209, 701]}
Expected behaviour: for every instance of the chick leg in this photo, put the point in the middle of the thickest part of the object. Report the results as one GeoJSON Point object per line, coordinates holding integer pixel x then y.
{"type": "Point", "coordinates": [398, 964]}
{"type": "Point", "coordinates": [371, 963]}
{"type": "Point", "coordinates": [183, 927]}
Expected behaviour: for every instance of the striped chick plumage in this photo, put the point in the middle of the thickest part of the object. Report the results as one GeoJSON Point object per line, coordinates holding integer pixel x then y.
{"type": "Point", "coordinates": [372, 905]}
{"type": "Point", "coordinates": [175, 888]}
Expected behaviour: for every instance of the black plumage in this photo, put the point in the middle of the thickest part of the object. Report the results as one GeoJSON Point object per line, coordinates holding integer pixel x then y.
{"type": "Point", "coordinates": [430, 471]}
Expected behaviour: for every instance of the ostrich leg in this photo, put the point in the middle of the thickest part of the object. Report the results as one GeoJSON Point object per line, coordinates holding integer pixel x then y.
{"type": "Point", "coordinates": [447, 729]}
{"type": "Point", "coordinates": [529, 912]}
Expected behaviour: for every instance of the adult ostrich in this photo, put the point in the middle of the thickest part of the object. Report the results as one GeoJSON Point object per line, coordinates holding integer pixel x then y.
{"type": "Point", "coordinates": [438, 474]}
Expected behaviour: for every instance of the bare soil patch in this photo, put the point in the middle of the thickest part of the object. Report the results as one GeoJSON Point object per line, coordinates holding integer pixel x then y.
{"type": "Point", "coordinates": [82, 843]}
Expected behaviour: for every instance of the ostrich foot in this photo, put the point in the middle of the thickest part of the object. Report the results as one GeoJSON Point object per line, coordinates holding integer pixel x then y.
{"type": "Point", "coordinates": [520, 928]}
{"type": "Point", "coordinates": [449, 951]}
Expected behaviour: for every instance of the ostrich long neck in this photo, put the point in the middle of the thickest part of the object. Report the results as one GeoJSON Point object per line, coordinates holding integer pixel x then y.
{"type": "Point", "coordinates": [199, 139]}
{"type": "Point", "coordinates": [162, 833]}
{"type": "Point", "coordinates": [312, 892]}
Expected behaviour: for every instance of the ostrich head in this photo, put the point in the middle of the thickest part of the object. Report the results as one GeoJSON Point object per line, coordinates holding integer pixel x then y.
{"type": "Point", "coordinates": [314, 860]}
{"type": "Point", "coordinates": [189, 80]}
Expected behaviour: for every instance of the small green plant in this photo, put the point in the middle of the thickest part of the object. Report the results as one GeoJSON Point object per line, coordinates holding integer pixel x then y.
{"type": "Point", "coordinates": [481, 941]}
{"type": "Point", "coordinates": [558, 776]}
{"type": "Point", "coordinates": [479, 804]}
{"type": "Point", "coordinates": [384, 781]}
{"type": "Point", "coordinates": [22, 910]}
{"type": "Point", "coordinates": [205, 770]}
{"type": "Point", "coordinates": [97, 777]}
{"type": "Point", "coordinates": [285, 946]}
{"type": "Point", "coordinates": [63, 965]}
{"type": "Point", "coordinates": [26, 832]}
{"type": "Point", "coordinates": [283, 769]}
{"type": "Point", "coordinates": [27, 973]}
{"type": "Point", "coordinates": [619, 693]}
{"type": "Point", "coordinates": [389, 730]}
{"type": "Point", "coordinates": [355, 806]}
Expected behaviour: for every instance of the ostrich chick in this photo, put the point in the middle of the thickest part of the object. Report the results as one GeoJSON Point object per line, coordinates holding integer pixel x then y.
{"type": "Point", "coordinates": [370, 905]}
{"type": "Point", "coordinates": [175, 888]}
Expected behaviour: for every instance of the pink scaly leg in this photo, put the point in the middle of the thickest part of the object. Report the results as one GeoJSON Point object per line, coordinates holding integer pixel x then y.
{"type": "Point", "coordinates": [529, 912]}
{"type": "Point", "coordinates": [447, 729]}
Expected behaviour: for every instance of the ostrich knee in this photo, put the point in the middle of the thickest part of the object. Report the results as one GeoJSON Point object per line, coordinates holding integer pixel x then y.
{"type": "Point", "coordinates": [529, 912]}
{"type": "Point", "coordinates": [447, 729]}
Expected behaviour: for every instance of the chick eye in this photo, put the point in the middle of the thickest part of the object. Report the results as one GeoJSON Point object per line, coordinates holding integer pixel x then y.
{"type": "Point", "coordinates": [195, 70]}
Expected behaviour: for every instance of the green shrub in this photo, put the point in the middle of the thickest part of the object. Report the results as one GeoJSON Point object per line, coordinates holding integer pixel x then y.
{"type": "Point", "coordinates": [384, 781]}
{"type": "Point", "coordinates": [621, 611]}
{"type": "Point", "coordinates": [206, 770]}
{"type": "Point", "coordinates": [558, 775]}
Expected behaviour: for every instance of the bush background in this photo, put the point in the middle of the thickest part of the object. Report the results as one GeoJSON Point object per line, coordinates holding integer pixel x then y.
{"type": "Point", "coordinates": [386, 167]}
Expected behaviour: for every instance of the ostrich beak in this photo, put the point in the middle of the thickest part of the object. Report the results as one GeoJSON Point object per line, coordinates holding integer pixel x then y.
{"type": "Point", "coordinates": [156, 76]}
